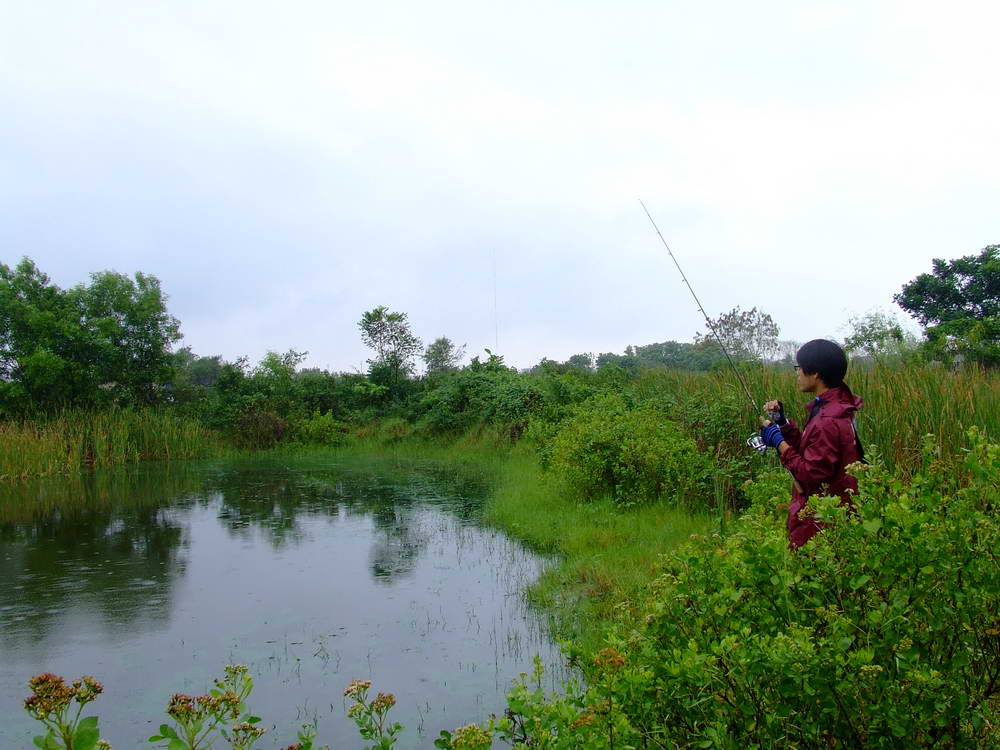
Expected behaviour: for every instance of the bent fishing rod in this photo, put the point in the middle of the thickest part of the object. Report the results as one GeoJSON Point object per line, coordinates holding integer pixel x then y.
{"type": "Point", "coordinates": [754, 440]}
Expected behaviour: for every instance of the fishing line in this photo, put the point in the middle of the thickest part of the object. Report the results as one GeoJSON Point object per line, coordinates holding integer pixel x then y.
{"type": "Point", "coordinates": [711, 326]}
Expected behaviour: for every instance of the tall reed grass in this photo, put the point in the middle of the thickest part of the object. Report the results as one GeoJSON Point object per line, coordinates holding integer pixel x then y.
{"type": "Point", "coordinates": [80, 439]}
{"type": "Point", "coordinates": [902, 404]}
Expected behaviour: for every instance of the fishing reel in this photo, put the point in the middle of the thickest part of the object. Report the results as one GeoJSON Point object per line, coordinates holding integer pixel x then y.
{"type": "Point", "coordinates": [756, 442]}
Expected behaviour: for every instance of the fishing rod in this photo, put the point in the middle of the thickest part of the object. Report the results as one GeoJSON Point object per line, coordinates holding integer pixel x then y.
{"type": "Point", "coordinates": [754, 441]}
{"type": "Point", "coordinates": [711, 325]}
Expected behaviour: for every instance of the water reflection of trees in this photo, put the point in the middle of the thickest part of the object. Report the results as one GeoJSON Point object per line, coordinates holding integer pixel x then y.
{"type": "Point", "coordinates": [113, 541]}
{"type": "Point", "coordinates": [276, 500]}
{"type": "Point", "coordinates": [106, 540]}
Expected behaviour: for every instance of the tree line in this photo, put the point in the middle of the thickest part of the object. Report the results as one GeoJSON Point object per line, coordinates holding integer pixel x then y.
{"type": "Point", "coordinates": [110, 341]}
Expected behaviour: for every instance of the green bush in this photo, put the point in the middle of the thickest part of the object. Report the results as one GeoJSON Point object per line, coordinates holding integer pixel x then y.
{"type": "Point", "coordinates": [259, 427]}
{"type": "Point", "coordinates": [634, 455]}
{"type": "Point", "coordinates": [884, 631]}
{"type": "Point", "coordinates": [322, 429]}
{"type": "Point", "coordinates": [471, 397]}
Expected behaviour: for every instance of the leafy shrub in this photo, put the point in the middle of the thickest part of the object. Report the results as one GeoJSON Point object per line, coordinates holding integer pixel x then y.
{"type": "Point", "coordinates": [635, 455]}
{"type": "Point", "coordinates": [259, 427]}
{"type": "Point", "coordinates": [882, 632]}
{"type": "Point", "coordinates": [479, 396]}
{"type": "Point", "coordinates": [389, 430]}
{"type": "Point", "coordinates": [540, 436]}
{"type": "Point", "coordinates": [322, 429]}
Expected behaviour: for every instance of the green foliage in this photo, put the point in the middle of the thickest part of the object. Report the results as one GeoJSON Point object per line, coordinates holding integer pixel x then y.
{"type": "Point", "coordinates": [635, 455]}
{"type": "Point", "coordinates": [583, 361]}
{"type": "Point", "coordinates": [395, 345]}
{"type": "Point", "coordinates": [132, 333]}
{"type": "Point", "coordinates": [482, 393]}
{"type": "Point", "coordinates": [197, 721]}
{"type": "Point", "coordinates": [75, 439]}
{"type": "Point", "coordinates": [876, 334]}
{"type": "Point", "coordinates": [260, 406]}
{"type": "Point", "coordinates": [441, 355]}
{"type": "Point", "coordinates": [676, 354]}
{"type": "Point", "coordinates": [370, 715]}
{"type": "Point", "coordinates": [577, 719]}
{"type": "Point", "coordinates": [882, 632]}
{"type": "Point", "coordinates": [306, 736]}
{"type": "Point", "coordinates": [748, 335]}
{"type": "Point", "coordinates": [259, 428]}
{"type": "Point", "coordinates": [109, 340]}
{"type": "Point", "coordinates": [322, 429]}
{"type": "Point", "coordinates": [58, 707]}
{"type": "Point", "coordinates": [958, 303]}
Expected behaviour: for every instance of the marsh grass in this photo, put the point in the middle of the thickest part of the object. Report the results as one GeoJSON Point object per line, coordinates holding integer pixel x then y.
{"type": "Point", "coordinates": [73, 440]}
{"type": "Point", "coordinates": [603, 556]}
{"type": "Point", "coordinates": [902, 404]}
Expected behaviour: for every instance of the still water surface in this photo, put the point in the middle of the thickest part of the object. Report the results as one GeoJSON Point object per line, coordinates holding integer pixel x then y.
{"type": "Point", "coordinates": [311, 571]}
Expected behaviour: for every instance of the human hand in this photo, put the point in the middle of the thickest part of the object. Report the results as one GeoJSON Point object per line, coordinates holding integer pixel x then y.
{"type": "Point", "coordinates": [771, 435]}
{"type": "Point", "coordinates": [776, 411]}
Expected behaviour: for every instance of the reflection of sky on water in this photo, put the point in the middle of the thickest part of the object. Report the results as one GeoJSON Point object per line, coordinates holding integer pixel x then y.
{"type": "Point", "coordinates": [313, 575]}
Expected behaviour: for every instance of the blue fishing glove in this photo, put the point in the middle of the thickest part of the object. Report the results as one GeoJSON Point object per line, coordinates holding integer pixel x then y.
{"type": "Point", "coordinates": [771, 435]}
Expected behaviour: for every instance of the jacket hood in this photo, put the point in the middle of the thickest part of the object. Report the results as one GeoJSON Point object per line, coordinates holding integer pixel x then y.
{"type": "Point", "coordinates": [839, 402]}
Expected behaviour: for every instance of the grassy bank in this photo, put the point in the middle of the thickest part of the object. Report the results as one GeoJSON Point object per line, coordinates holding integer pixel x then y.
{"type": "Point", "coordinates": [604, 555]}
{"type": "Point", "coordinates": [74, 440]}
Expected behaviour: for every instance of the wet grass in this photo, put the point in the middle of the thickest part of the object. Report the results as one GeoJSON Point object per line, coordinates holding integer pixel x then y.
{"type": "Point", "coordinates": [603, 555]}
{"type": "Point", "coordinates": [73, 440]}
{"type": "Point", "coordinates": [903, 403]}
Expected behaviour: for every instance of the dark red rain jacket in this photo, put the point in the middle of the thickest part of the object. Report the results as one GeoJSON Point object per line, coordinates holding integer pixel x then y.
{"type": "Point", "coordinates": [817, 457]}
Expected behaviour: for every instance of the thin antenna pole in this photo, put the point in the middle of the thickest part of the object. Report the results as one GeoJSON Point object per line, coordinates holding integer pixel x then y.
{"type": "Point", "coordinates": [496, 320]}
{"type": "Point", "coordinates": [708, 320]}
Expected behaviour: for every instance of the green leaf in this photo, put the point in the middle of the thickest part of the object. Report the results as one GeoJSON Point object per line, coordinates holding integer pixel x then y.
{"type": "Point", "coordinates": [860, 581]}
{"type": "Point", "coordinates": [176, 744]}
{"type": "Point", "coordinates": [872, 526]}
{"type": "Point", "coordinates": [86, 735]}
{"type": "Point", "coordinates": [167, 733]}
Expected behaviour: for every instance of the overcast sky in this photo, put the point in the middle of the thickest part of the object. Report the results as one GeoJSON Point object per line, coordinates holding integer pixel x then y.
{"type": "Point", "coordinates": [283, 167]}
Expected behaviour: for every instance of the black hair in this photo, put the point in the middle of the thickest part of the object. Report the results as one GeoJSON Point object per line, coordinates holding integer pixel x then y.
{"type": "Point", "coordinates": [823, 358]}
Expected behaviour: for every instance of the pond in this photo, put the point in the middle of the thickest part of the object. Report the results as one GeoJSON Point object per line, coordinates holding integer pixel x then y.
{"type": "Point", "coordinates": [312, 571]}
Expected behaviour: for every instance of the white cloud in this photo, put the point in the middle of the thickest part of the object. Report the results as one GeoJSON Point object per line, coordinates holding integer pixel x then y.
{"type": "Point", "coordinates": [284, 171]}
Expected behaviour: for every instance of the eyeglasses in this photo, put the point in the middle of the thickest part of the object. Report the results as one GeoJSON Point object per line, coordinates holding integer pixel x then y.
{"type": "Point", "coordinates": [796, 367]}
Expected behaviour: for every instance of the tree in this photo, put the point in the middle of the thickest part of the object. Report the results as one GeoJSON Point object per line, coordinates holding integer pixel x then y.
{"type": "Point", "coordinates": [787, 348]}
{"type": "Point", "coordinates": [395, 345]}
{"type": "Point", "coordinates": [133, 332]}
{"type": "Point", "coordinates": [583, 361]}
{"type": "Point", "coordinates": [79, 346]}
{"type": "Point", "coordinates": [441, 355]}
{"type": "Point", "coordinates": [44, 350]}
{"type": "Point", "coordinates": [748, 335]}
{"type": "Point", "coordinates": [958, 304]}
{"type": "Point", "coordinates": [876, 334]}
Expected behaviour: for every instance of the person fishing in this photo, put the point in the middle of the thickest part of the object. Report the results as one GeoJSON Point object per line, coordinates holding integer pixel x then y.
{"type": "Point", "coordinates": [818, 455]}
